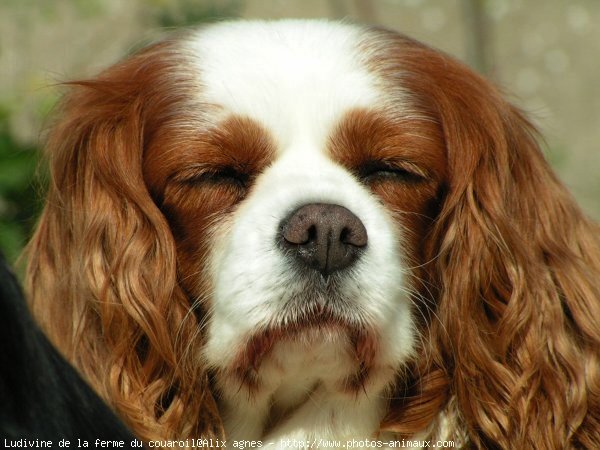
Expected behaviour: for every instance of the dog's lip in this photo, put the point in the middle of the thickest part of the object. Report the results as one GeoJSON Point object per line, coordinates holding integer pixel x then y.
{"type": "Point", "coordinates": [319, 318]}
{"type": "Point", "coordinates": [363, 341]}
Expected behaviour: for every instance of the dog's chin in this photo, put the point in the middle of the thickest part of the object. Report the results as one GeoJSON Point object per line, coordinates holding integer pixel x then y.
{"type": "Point", "coordinates": [306, 324]}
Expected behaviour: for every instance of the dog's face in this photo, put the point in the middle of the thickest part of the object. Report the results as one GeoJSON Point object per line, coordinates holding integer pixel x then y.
{"type": "Point", "coordinates": [333, 230]}
{"type": "Point", "coordinates": [301, 210]}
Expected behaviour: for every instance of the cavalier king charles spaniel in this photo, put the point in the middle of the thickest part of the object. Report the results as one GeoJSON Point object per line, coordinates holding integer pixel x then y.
{"type": "Point", "coordinates": [320, 231]}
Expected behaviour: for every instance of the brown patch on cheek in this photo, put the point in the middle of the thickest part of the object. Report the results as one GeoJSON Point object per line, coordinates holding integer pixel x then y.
{"type": "Point", "coordinates": [413, 140]}
{"type": "Point", "coordinates": [198, 177]}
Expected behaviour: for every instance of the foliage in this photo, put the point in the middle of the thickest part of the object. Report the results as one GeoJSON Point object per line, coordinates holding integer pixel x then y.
{"type": "Point", "coordinates": [19, 203]}
{"type": "Point", "coordinates": [184, 13]}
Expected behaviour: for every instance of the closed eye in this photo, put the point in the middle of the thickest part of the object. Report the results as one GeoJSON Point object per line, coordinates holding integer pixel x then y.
{"type": "Point", "coordinates": [400, 171]}
{"type": "Point", "coordinates": [214, 176]}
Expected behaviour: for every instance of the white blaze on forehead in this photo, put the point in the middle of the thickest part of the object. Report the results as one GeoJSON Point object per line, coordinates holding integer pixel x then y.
{"type": "Point", "coordinates": [296, 77]}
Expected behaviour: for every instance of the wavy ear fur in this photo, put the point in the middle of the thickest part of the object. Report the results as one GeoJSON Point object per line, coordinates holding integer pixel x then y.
{"type": "Point", "coordinates": [515, 339]}
{"type": "Point", "coordinates": [102, 274]}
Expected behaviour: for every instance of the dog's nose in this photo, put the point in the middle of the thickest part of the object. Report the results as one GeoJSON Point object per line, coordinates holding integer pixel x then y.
{"type": "Point", "coordinates": [324, 237]}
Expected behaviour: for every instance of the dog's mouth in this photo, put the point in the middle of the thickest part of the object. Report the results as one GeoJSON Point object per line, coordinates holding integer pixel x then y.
{"type": "Point", "coordinates": [311, 324]}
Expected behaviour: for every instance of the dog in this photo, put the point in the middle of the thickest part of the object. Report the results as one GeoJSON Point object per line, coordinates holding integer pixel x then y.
{"type": "Point", "coordinates": [321, 232]}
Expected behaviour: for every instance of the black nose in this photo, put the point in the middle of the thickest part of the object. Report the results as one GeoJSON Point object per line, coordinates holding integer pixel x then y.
{"type": "Point", "coordinates": [324, 237]}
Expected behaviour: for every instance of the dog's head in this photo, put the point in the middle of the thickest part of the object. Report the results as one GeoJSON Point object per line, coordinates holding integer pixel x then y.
{"type": "Point", "coordinates": [256, 200]}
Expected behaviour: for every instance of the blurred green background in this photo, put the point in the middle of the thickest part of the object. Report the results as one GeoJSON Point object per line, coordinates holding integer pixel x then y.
{"type": "Point", "coordinates": [544, 53]}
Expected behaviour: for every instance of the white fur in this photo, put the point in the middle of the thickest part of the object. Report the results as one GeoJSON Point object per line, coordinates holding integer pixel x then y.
{"type": "Point", "coordinates": [297, 79]}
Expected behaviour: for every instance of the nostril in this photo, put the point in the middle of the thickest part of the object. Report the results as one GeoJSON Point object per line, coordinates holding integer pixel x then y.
{"type": "Point", "coordinates": [312, 233]}
{"type": "Point", "coordinates": [298, 231]}
{"type": "Point", "coordinates": [355, 234]}
{"type": "Point", "coordinates": [344, 236]}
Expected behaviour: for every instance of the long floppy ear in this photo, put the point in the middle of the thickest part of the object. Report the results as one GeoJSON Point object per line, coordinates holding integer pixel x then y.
{"type": "Point", "coordinates": [515, 343]}
{"type": "Point", "coordinates": [102, 276]}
